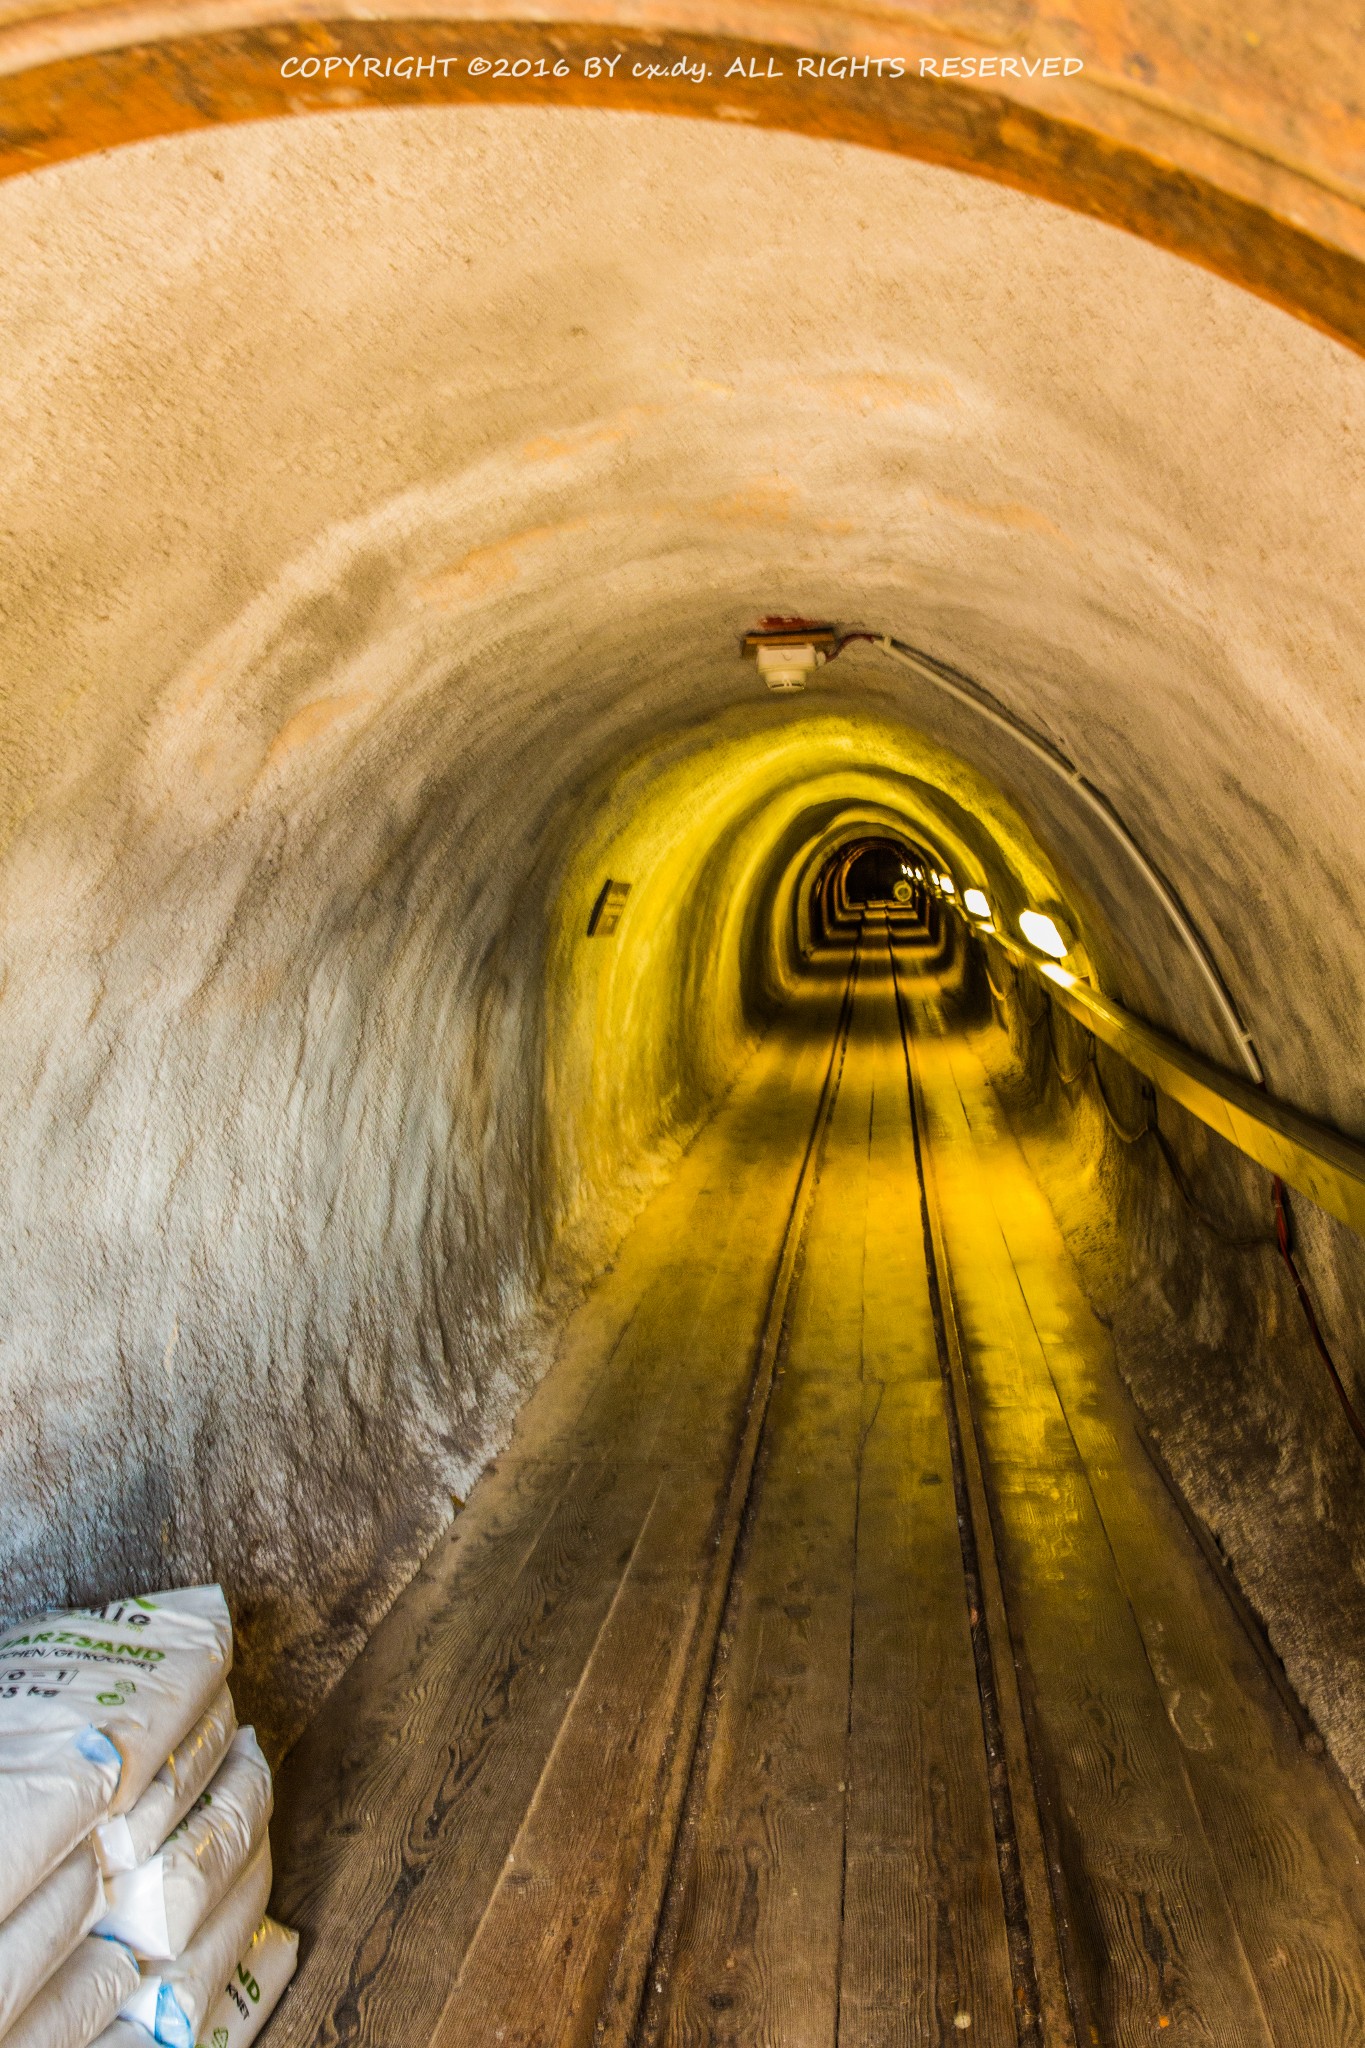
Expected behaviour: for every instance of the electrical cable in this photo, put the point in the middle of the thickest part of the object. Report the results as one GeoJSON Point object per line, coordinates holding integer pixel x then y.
{"type": "Point", "coordinates": [846, 639]}
{"type": "Point", "coordinates": [966, 691]}
{"type": "Point", "coordinates": [1121, 1130]}
{"type": "Point", "coordinates": [1067, 1080]}
{"type": "Point", "coordinates": [1032, 1021]}
{"type": "Point", "coordinates": [1151, 1129]}
{"type": "Point", "coordinates": [998, 993]}
{"type": "Point", "coordinates": [1281, 1240]}
{"type": "Point", "coordinates": [970, 693]}
{"type": "Point", "coordinates": [1258, 1240]}
{"type": "Point", "coordinates": [1284, 1241]}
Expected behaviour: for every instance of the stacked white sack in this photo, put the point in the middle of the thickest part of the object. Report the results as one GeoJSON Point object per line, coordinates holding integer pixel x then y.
{"type": "Point", "coordinates": [54, 1785]}
{"type": "Point", "coordinates": [174, 1998]}
{"type": "Point", "coordinates": [141, 1672]}
{"type": "Point", "coordinates": [79, 1999]}
{"type": "Point", "coordinates": [41, 1933]}
{"type": "Point", "coordinates": [127, 1839]}
{"type": "Point", "coordinates": [246, 2001]}
{"type": "Point", "coordinates": [253, 1990]}
{"type": "Point", "coordinates": [157, 1906]}
{"type": "Point", "coordinates": [111, 1721]}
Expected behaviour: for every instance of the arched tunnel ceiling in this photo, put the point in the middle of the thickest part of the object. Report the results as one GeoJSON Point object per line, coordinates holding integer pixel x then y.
{"type": "Point", "coordinates": [1226, 132]}
{"type": "Point", "coordinates": [436, 437]}
{"type": "Point", "coordinates": [384, 496]}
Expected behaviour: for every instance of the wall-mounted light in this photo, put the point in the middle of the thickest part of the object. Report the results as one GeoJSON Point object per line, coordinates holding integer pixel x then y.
{"type": "Point", "coordinates": [605, 914]}
{"type": "Point", "coordinates": [1043, 934]}
{"type": "Point", "coordinates": [945, 882]}
{"type": "Point", "coordinates": [977, 902]}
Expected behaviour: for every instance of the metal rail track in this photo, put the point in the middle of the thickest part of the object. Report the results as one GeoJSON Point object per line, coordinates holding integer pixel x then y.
{"type": "Point", "coordinates": [635, 2012]}
{"type": "Point", "coordinates": [1047, 2001]}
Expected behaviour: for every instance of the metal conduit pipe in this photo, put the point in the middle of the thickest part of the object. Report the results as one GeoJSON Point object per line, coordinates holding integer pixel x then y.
{"type": "Point", "coordinates": [966, 692]}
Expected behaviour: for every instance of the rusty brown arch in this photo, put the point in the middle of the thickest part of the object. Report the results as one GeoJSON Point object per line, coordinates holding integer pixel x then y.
{"type": "Point", "coordinates": [96, 99]}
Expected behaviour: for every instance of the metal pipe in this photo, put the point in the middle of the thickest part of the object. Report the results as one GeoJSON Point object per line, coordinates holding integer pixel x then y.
{"type": "Point", "coordinates": [966, 692]}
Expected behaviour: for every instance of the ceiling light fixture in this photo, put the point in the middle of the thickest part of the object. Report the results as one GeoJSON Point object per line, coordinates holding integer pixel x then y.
{"type": "Point", "coordinates": [789, 651]}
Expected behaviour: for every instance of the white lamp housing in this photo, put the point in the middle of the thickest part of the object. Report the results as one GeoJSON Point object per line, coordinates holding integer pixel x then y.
{"type": "Point", "coordinates": [1042, 934]}
{"type": "Point", "coordinates": [786, 668]}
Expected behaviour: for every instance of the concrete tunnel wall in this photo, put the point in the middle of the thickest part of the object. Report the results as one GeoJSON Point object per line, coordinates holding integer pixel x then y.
{"type": "Point", "coordinates": [383, 498]}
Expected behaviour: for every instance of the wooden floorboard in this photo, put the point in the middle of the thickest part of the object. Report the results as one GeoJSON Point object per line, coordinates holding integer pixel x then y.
{"type": "Point", "coordinates": [398, 1810]}
{"type": "Point", "coordinates": [758, 1953]}
{"type": "Point", "coordinates": [1151, 1881]}
{"type": "Point", "coordinates": [476, 1833]}
{"type": "Point", "coordinates": [1280, 1823]}
{"type": "Point", "coordinates": [924, 1955]}
{"type": "Point", "coordinates": [537, 1970]}
{"type": "Point", "coordinates": [844, 1883]}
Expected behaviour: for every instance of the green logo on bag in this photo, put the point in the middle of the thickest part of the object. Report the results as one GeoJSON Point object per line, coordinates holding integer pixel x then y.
{"type": "Point", "coordinates": [220, 2038]}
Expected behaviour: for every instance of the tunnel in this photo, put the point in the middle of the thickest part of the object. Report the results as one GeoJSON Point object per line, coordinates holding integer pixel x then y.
{"type": "Point", "coordinates": [682, 970]}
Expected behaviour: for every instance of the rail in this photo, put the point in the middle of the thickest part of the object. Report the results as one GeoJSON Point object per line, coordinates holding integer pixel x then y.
{"type": "Point", "coordinates": [1309, 1156]}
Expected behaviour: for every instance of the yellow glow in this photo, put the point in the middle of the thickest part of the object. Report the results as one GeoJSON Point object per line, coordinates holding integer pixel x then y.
{"type": "Point", "coordinates": [721, 829]}
{"type": "Point", "coordinates": [1057, 974]}
{"type": "Point", "coordinates": [945, 883]}
{"type": "Point", "coordinates": [977, 902]}
{"type": "Point", "coordinates": [1043, 934]}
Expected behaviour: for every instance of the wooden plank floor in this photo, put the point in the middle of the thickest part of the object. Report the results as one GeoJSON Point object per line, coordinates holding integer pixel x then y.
{"type": "Point", "coordinates": [843, 1884]}
{"type": "Point", "coordinates": [398, 1812]}
{"type": "Point", "coordinates": [587, 1785]}
{"type": "Point", "coordinates": [1214, 1866]}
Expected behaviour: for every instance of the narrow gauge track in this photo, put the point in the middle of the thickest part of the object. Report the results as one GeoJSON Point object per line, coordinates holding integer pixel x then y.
{"type": "Point", "coordinates": [1031, 1882]}
{"type": "Point", "coordinates": [825, 1663]}
{"type": "Point", "coordinates": [633, 2010]}
{"type": "Point", "coordinates": [1042, 2015]}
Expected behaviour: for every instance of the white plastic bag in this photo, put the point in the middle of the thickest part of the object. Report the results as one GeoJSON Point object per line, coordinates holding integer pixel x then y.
{"type": "Point", "coordinates": [128, 1839]}
{"type": "Point", "coordinates": [40, 1934]}
{"type": "Point", "coordinates": [143, 1670]}
{"type": "Point", "coordinates": [54, 1785]}
{"type": "Point", "coordinates": [80, 1999]}
{"type": "Point", "coordinates": [173, 2000]}
{"type": "Point", "coordinates": [254, 1989]}
{"type": "Point", "coordinates": [157, 1907]}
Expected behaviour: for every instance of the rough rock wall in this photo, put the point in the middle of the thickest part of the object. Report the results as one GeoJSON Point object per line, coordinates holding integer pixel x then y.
{"type": "Point", "coordinates": [317, 1113]}
{"type": "Point", "coordinates": [378, 496]}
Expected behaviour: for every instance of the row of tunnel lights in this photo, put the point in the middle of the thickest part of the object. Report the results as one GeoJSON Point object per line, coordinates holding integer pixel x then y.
{"type": "Point", "coordinates": [1037, 927]}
